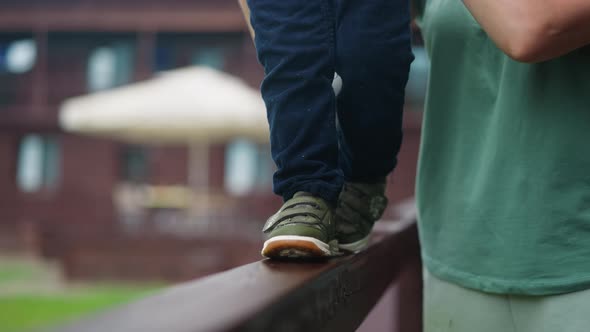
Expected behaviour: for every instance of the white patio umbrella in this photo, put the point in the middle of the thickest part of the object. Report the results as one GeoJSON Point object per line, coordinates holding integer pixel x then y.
{"type": "Point", "coordinates": [184, 105]}
{"type": "Point", "coordinates": [194, 106]}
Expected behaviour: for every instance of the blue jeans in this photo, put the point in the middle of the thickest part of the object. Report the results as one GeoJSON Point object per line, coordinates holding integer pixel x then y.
{"type": "Point", "coordinates": [318, 139]}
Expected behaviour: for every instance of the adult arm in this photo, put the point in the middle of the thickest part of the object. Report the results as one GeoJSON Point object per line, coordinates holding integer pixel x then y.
{"type": "Point", "coordinates": [534, 30]}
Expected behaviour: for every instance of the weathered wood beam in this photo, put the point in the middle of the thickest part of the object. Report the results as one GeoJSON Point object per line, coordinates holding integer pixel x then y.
{"type": "Point", "coordinates": [334, 295]}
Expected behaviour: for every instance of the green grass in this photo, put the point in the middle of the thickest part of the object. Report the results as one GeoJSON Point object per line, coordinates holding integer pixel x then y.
{"type": "Point", "coordinates": [27, 311]}
{"type": "Point", "coordinates": [15, 271]}
{"type": "Point", "coordinates": [30, 300]}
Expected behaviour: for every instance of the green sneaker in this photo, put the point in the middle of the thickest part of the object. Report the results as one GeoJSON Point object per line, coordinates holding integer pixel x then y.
{"type": "Point", "coordinates": [302, 228]}
{"type": "Point", "coordinates": [360, 205]}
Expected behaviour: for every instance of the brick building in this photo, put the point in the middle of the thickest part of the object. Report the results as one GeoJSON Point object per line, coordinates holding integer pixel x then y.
{"type": "Point", "coordinates": [52, 50]}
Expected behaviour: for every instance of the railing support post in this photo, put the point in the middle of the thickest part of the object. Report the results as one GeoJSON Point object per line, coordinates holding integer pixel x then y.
{"type": "Point", "coordinates": [409, 307]}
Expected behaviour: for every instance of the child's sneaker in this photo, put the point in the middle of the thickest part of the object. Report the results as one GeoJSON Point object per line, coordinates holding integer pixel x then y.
{"type": "Point", "coordinates": [302, 228]}
{"type": "Point", "coordinates": [360, 205]}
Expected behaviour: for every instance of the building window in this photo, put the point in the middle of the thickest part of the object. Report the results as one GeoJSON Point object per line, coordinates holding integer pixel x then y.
{"type": "Point", "coordinates": [18, 56]}
{"type": "Point", "coordinates": [169, 57]}
{"type": "Point", "coordinates": [38, 163]}
{"type": "Point", "coordinates": [109, 66]}
{"type": "Point", "coordinates": [163, 58]}
{"type": "Point", "coordinates": [135, 164]}
{"type": "Point", "coordinates": [178, 50]}
{"type": "Point", "coordinates": [247, 167]}
{"type": "Point", "coordinates": [210, 57]}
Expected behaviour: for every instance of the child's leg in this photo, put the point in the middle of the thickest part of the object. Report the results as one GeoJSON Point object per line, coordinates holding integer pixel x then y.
{"type": "Point", "coordinates": [295, 44]}
{"type": "Point", "coordinates": [373, 57]}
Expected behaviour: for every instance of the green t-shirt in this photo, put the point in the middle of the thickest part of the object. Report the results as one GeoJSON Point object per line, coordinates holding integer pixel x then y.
{"type": "Point", "coordinates": [504, 175]}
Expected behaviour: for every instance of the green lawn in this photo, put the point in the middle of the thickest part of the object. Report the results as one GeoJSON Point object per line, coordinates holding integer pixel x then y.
{"type": "Point", "coordinates": [22, 308]}
{"type": "Point", "coordinates": [23, 312]}
{"type": "Point", "coordinates": [15, 270]}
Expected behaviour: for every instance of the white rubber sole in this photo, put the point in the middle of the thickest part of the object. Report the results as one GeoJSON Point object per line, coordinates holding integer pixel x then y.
{"type": "Point", "coordinates": [294, 246]}
{"type": "Point", "coordinates": [357, 246]}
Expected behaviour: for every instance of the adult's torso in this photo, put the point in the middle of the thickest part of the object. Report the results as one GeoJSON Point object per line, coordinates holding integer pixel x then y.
{"type": "Point", "coordinates": [504, 174]}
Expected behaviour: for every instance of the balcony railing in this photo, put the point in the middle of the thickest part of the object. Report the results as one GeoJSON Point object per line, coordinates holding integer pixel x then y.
{"type": "Point", "coordinates": [333, 295]}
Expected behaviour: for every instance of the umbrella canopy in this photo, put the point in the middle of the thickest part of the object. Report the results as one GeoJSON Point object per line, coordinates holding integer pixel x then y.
{"type": "Point", "coordinates": [180, 106]}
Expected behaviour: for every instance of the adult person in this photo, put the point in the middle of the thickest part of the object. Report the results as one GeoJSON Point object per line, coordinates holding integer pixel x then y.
{"type": "Point", "coordinates": [503, 188]}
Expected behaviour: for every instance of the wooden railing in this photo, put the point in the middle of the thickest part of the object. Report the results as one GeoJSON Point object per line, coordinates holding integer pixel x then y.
{"type": "Point", "coordinates": [334, 295]}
